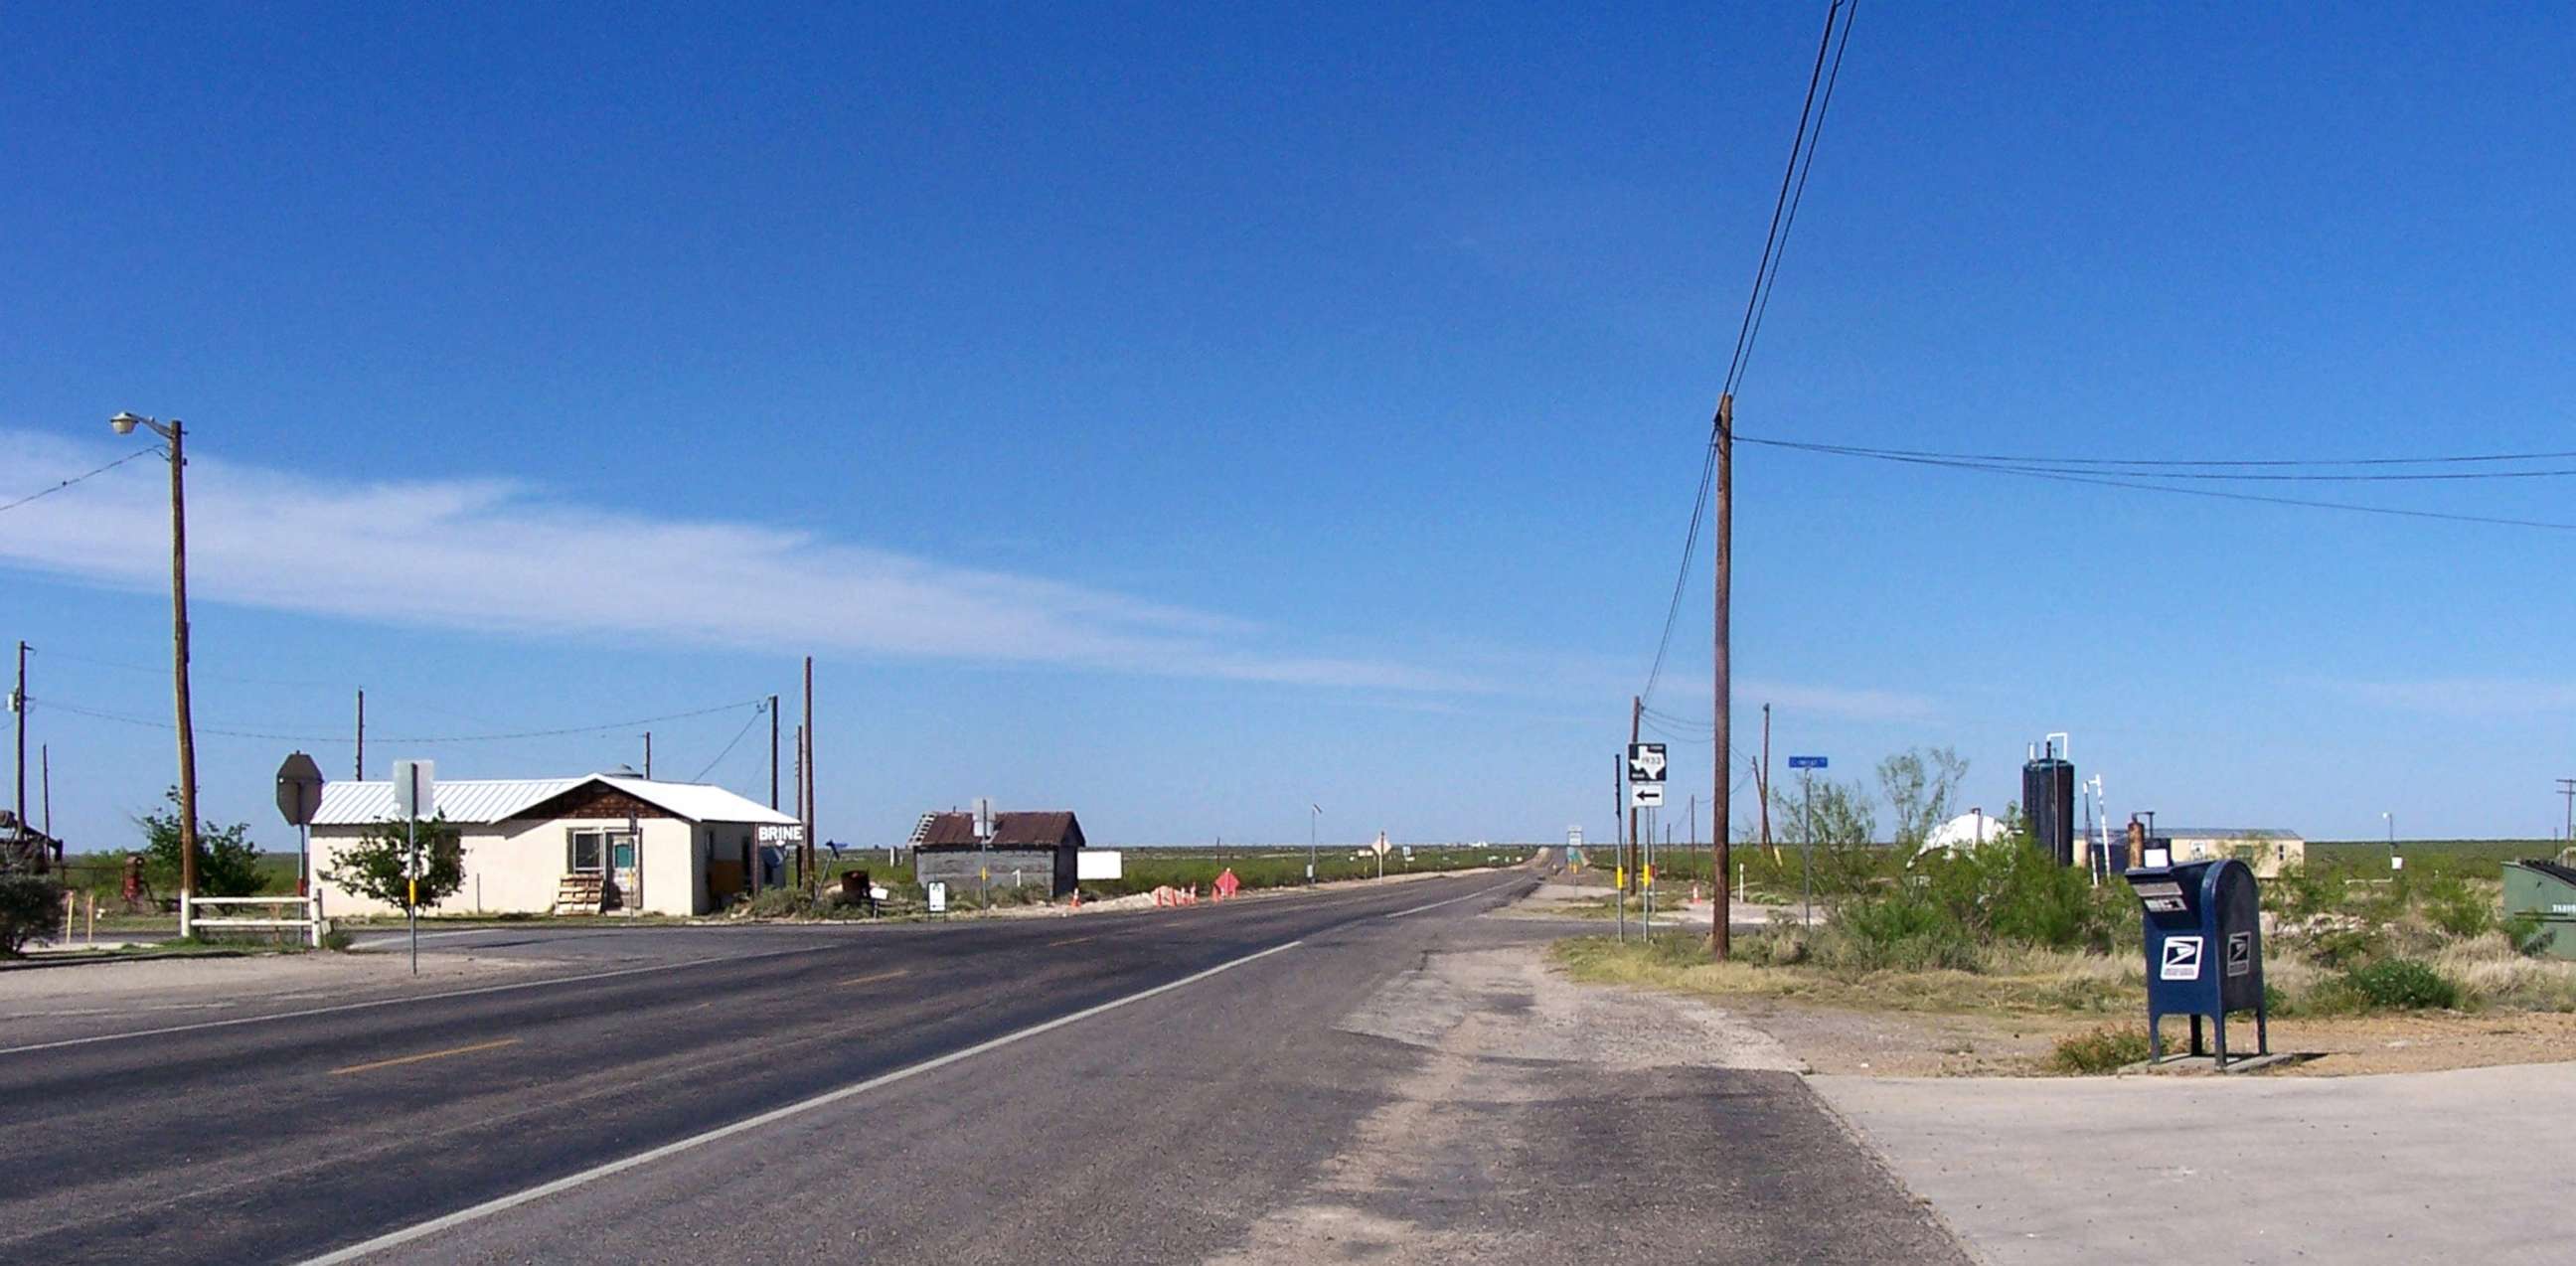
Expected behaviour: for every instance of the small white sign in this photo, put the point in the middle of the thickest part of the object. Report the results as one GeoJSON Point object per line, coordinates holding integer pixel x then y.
{"type": "Point", "coordinates": [1574, 837]}
{"type": "Point", "coordinates": [416, 788]}
{"type": "Point", "coordinates": [1645, 795]}
{"type": "Point", "coordinates": [790, 834]}
{"type": "Point", "coordinates": [2182, 958]}
{"type": "Point", "coordinates": [938, 894]}
{"type": "Point", "coordinates": [1099, 863]}
{"type": "Point", "coordinates": [983, 818]}
{"type": "Point", "coordinates": [2396, 863]}
{"type": "Point", "coordinates": [1381, 846]}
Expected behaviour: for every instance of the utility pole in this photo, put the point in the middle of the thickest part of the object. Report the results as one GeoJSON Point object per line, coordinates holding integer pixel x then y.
{"type": "Point", "coordinates": [648, 756]}
{"type": "Point", "coordinates": [798, 857]}
{"type": "Point", "coordinates": [361, 774]}
{"type": "Point", "coordinates": [18, 705]}
{"type": "Point", "coordinates": [1619, 846]}
{"type": "Point", "coordinates": [45, 757]}
{"type": "Point", "coordinates": [2567, 788]}
{"type": "Point", "coordinates": [1722, 809]}
{"type": "Point", "coordinates": [773, 753]}
{"type": "Point", "coordinates": [812, 880]}
{"type": "Point", "coordinates": [1762, 785]}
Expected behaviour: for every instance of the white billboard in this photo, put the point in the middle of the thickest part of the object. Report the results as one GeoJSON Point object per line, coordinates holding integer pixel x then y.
{"type": "Point", "coordinates": [1099, 863]}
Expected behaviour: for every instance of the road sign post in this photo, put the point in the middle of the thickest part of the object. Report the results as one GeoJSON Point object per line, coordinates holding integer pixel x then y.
{"type": "Point", "coordinates": [416, 795]}
{"type": "Point", "coordinates": [1806, 765]}
{"type": "Point", "coordinates": [299, 797]}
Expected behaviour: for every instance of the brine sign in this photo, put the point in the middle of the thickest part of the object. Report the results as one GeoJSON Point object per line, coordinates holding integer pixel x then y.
{"type": "Point", "coordinates": [792, 833]}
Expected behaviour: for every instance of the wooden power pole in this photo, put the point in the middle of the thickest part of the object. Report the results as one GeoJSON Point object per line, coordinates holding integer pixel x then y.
{"type": "Point", "coordinates": [1721, 812]}
{"type": "Point", "coordinates": [361, 774]}
{"type": "Point", "coordinates": [18, 705]}
{"type": "Point", "coordinates": [773, 751]}
{"type": "Point", "coordinates": [813, 881]}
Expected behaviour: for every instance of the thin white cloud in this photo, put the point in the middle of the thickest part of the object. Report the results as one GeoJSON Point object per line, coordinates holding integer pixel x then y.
{"type": "Point", "coordinates": [498, 556]}
{"type": "Point", "coordinates": [2463, 696]}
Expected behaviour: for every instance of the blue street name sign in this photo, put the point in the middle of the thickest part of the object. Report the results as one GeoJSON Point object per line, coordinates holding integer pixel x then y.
{"type": "Point", "coordinates": [1806, 762]}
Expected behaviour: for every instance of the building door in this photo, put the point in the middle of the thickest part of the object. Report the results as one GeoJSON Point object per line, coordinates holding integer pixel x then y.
{"type": "Point", "coordinates": [624, 863]}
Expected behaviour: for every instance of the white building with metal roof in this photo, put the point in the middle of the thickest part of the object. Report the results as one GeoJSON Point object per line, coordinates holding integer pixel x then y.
{"type": "Point", "coordinates": [596, 843]}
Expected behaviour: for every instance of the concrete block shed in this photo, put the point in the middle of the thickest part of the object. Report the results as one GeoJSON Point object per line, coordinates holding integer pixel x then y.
{"type": "Point", "coordinates": [1029, 849]}
{"type": "Point", "coordinates": [645, 846]}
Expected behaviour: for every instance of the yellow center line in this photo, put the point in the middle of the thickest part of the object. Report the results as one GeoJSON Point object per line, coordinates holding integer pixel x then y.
{"type": "Point", "coordinates": [414, 1059]}
{"type": "Point", "coordinates": [883, 975]}
{"type": "Point", "coordinates": [1076, 940]}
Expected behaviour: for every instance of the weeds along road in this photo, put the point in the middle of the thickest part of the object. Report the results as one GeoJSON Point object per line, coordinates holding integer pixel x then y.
{"type": "Point", "coordinates": [1132, 1088]}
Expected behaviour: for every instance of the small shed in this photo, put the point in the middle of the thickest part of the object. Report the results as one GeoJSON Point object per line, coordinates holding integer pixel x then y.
{"type": "Point", "coordinates": [1027, 849]}
{"type": "Point", "coordinates": [2264, 850]}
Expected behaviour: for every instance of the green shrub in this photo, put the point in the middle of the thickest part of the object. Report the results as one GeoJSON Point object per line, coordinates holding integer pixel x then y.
{"type": "Point", "coordinates": [780, 903]}
{"type": "Point", "coordinates": [227, 860]}
{"type": "Point", "coordinates": [2104, 1050]}
{"type": "Point", "coordinates": [2401, 984]}
{"type": "Point", "coordinates": [2457, 907]}
{"type": "Point", "coordinates": [337, 940]}
{"type": "Point", "coordinates": [2526, 930]}
{"type": "Point", "coordinates": [1898, 932]}
{"type": "Point", "coordinates": [2336, 948]}
{"type": "Point", "coordinates": [30, 906]}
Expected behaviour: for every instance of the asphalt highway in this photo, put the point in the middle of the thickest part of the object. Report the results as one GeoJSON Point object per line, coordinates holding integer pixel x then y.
{"type": "Point", "coordinates": [1114, 1087]}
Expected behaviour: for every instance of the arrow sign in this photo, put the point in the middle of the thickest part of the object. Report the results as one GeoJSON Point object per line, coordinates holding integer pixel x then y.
{"type": "Point", "coordinates": [1806, 762]}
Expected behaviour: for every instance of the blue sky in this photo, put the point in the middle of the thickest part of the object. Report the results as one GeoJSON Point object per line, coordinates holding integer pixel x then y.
{"type": "Point", "coordinates": [1185, 416]}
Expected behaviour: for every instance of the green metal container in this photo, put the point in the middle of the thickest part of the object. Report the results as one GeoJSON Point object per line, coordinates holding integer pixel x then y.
{"type": "Point", "coordinates": [2546, 890]}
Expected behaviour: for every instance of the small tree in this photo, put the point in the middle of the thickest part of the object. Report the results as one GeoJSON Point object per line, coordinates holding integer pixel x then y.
{"type": "Point", "coordinates": [378, 864]}
{"type": "Point", "coordinates": [1920, 787]}
{"type": "Point", "coordinates": [227, 862]}
{"type": "Point", "coordinates": [31, 905]}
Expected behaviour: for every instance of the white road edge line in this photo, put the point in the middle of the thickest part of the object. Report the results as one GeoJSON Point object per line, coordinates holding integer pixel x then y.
{"type": "Point", "coordinates": [567, 1183]}
{"type": "Point", "coordinates": [416, 997]}
{"type": "Point", "coordinates": [1481, 892]}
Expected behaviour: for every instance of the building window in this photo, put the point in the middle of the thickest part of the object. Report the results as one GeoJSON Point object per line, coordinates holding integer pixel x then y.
{"type": "Point", "coordinates": [588, 850]}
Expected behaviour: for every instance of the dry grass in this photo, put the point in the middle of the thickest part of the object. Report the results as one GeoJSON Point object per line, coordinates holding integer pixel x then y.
{"type": "Point", "coordinates": [2491, 974]}
{"type": "Point", "coordinates": [2016, 981]}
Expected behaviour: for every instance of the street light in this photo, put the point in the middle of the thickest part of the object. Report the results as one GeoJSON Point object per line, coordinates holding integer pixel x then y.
{"type": "Point", "coordinates": [124, 424]}
{"type": "Point", "coordinates": [1317, 811]}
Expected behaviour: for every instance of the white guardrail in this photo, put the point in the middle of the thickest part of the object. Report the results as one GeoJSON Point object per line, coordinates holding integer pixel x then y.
{"type": "Point", "coordinates": [313, 923]}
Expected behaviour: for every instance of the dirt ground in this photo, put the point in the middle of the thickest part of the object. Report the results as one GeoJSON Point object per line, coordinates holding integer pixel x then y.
{"type": "Point", "coordinates": [1933, 1044]}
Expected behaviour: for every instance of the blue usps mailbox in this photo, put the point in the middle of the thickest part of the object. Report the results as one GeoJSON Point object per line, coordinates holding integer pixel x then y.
{"type": "Point", "coordinates": [2204, 949]}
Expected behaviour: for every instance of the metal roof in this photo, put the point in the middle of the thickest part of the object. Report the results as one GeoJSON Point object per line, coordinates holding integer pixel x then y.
{"type": "Point", "coordinates": [2226, 833]}
{"type": "Point", "coordinates": [480, 800]}
{"type": "Point", "coordinates": [1043, 829]}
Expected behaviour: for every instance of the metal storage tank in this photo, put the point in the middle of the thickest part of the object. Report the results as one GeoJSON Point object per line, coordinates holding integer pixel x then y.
{"type": "Point", "coordinates": [2048, 803]}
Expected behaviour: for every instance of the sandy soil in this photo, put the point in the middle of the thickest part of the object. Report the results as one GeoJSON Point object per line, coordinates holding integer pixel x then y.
{"type": "Point", "coordinates": [1932, 1044]}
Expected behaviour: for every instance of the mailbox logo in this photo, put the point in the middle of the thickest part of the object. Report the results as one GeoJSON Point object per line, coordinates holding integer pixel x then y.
{"type": "Point", "coordinates": [2182, 958]}
{"type": "Point", "coordinates": [2240, 953]}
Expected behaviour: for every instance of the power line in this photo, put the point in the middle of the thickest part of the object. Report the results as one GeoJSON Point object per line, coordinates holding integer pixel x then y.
{"type": "Point", "coordinates": [2440, 459]}
{"type": "Point", "coordinates": [280, 737]}
{"type": "Point", "coordinates": [2192, 470]}
{"type": "Point", "coordinates": [2111, 479]}
{"type": "Point", "coordinates": [758, 710]}
{"type": "Point", "coordinates": [1766, 272]}
{"type": "Point", "coordinates": [1808, 164]}
{"type": "Point", "coordinates": [33, 496]}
